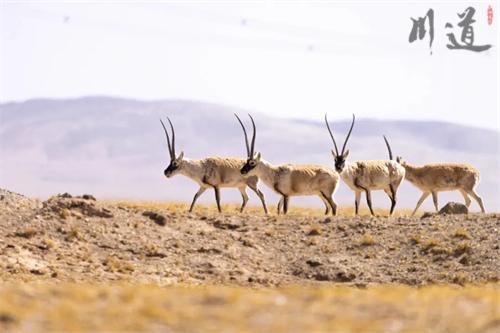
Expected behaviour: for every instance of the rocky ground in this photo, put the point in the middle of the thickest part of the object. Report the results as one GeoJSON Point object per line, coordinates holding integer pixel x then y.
{"type": "Point", "coordinates": [79, 239]}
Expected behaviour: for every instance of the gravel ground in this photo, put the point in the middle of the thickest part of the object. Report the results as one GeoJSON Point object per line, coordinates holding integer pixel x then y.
{"type": "Point", "coordinates": [79, 239]}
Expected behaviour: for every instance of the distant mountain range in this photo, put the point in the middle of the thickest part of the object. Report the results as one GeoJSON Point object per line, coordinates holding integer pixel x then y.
{"type": "Point", "coordinates": [115, 148]}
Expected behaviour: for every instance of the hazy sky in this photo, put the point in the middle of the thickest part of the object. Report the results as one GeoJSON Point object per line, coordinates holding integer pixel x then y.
{"type": "Point", "coordinates": [282, 58]}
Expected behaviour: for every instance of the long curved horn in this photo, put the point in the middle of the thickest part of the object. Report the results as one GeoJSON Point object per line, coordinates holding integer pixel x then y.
{"type": "Point", "coordinates": [168, 139]}
{"type": "Point", "coordinates": [388, 147]}
{"type": "Point", "coordinates": [348, 134]}
{"type": "Point", "coordinates": [252, 145]}
{"type": "Point", "coordinates": [331, 135]}
{"type": "Point", "coordinates": [173, 137]}
{"type": "Point", "coordinates": [244, 132]}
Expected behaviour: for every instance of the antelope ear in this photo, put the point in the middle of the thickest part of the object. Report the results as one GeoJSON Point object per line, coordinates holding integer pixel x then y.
{"type": "Point", "coordinates": [181, 156]}
{"type": "Point", "coordinates": [346, 154]}
{"type": "Point", "coordinates": [333, 153]}
{"type": "Point", "coordinates": [257, 157]}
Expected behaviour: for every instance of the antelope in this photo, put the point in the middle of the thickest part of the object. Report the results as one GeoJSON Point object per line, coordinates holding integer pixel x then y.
{"type": "Point", "coordinates": [366, 176]}
{"type": "Point", "coordinates": [438, 177]}
{"type": "Point", "coordinates": [211, 172]}
{"type": "Point", "coordinates": [290, 179]}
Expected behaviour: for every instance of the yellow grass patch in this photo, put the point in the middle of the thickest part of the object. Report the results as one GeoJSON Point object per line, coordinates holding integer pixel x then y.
{"type": "Point", "coordinates": [462, 233]}
{"type": "Point", "coordinates": [254, 210]}
{"type": "Point", "coordinates": [126, 307]}
{"type": "Point", "coordinates": [367, 239]}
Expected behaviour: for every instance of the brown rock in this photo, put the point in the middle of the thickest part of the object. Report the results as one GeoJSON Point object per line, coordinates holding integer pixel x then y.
{"type": "Point", "coordinates": [454, 208]}
{"type": "Point", "coordinates": [157, 218]}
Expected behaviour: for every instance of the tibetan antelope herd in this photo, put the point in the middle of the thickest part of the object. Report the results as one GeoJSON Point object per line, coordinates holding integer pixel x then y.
{"type": "Point", "coordinates": [289, 180]}
{"type": "Point", "coordinates": [365, 176]}
{"type": "Point", "coordinates": [211, 172]}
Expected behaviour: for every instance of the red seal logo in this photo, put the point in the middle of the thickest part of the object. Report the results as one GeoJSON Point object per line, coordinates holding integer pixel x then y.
{"type": "Point", "coordinates": [490, 15]}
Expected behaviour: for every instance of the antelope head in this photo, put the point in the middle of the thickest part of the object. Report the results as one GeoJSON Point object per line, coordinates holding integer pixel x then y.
{"type": "Point", "coordinates": [401, 161]}
{"type": "Point", "coordinates": [252, 159]}
{"type": "Point", "coordinates": [175, 161]}
{"type": "Point", "coordinates": [341, 158]}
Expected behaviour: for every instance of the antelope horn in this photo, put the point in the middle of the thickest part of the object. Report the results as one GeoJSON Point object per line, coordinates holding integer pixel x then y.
{"type": "Point", "coordinates": [252, 146]}
{"type": "Point", "coordinates": [388, 147]}
{"type": "Point", "coordinates": [173, 137]}
{"type": "Point", "coordinates": [348, 134]}
{"type": "Point", "coordinates": [168, 139]}
{"type": "Point", "coordinates": [244, 132]}
{"type": "Point", "coordinates": [331, 135]}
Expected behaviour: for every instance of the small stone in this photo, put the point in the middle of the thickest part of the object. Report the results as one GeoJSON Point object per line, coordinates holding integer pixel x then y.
{"type": "Point", "coordinates": [157, 218]}
{"type": "Point", "coordinates": [6, 318]}
{"type": "Point", "coordinates": [426, 215]}
{"type": "Point", "coordinates": [314, 263]}
{"type": "Point", "coordinates": [454, 208]}
{"type": "Point", "coordinates": [313, 232]}
{"type": "Point", "coordinates": [344, 276]}
{"type": "Point", "coordinates": [37, 271]}
{"type": "Point", "coordinates": [89, 197]}
{"type": "Point", "coordinates": [464, 260]}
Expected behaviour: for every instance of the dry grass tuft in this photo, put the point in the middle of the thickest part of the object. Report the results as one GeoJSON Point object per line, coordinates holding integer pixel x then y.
{"type": "Point", "coordinates": [27, 232]}
{"type": "Point", "coordinates": [430, 243]}
{"type": "Point", "coordinates": [462, 247]}
{"type": "Point", "coordinates": [64, 213]}
{"type": "Point", "coordinates": [72, 234]}
{"type": "Point", "coordinates": [49, 243]}
{"type": "Point", "coordinates": [367, 240]}
{"type": "Point", "coordinates": [416, 239]}
{"type": "Point", "coordinates": [461, 278]}
{"type": "Point", "coordinates": [434, 246]}
{"type": "Point", "coordinates": [462, 233]}
{"type": "Point", "coordinates": [116, 265]}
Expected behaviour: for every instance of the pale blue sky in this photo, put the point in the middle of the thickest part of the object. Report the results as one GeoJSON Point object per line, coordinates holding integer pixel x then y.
{"type": "Point", "coordinates": [281, 58]}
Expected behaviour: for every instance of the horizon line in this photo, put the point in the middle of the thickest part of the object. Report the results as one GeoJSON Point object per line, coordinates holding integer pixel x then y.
{"type": "Point", "coordinates": [193, 100]}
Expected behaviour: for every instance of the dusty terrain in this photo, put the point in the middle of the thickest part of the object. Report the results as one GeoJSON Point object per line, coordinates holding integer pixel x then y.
{"type": "Point", "coordinates": [75, 239]}
{"type": "Point", "coordinates": [76, 263]}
